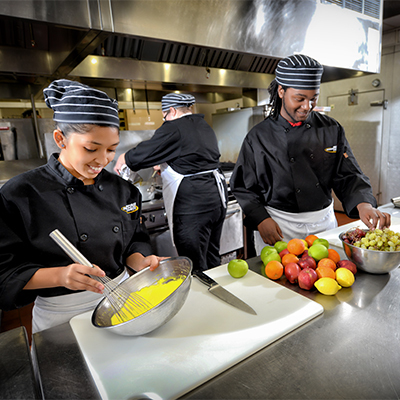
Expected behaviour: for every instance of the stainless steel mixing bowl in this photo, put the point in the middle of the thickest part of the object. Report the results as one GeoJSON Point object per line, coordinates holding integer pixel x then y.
{"type": "Point", "coordinates": [160, 314]}
{"type": "Point", "coordinates": [372, 261]}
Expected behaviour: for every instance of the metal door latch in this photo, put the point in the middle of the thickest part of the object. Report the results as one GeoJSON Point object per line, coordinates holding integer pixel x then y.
{"type": "Point", "coordinates": [378, 103]}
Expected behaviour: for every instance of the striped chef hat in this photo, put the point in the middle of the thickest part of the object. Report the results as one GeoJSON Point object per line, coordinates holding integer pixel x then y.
{"type": "Point", "coordinates": [75, 103]}
{"type": "Point", "coordinates": [299, 72]}
{"type": "Point", "coordinates": [176, 100]}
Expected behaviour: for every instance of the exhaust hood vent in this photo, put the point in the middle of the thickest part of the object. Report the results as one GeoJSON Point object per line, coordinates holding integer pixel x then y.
{"type": "Point", "coordinates": [367, 7]}
{"type": "Point", "coordinates": [173, 53]}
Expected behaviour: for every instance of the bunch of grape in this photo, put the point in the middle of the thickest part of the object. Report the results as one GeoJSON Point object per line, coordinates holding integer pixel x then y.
{"type": "Point", "coordinates": [381, 240]}
{"type": "Point", "coordinates": [353, 236]}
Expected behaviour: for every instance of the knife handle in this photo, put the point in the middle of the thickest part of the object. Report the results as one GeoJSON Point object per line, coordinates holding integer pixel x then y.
{"type": "Point", "coordinates": [202, 277]}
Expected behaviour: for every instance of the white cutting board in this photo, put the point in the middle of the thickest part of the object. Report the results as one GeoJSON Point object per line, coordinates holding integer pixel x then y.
{"type": "Point", "coordinates": [332, 236]}
{"type": "Point", "coordinates": [206, 337]}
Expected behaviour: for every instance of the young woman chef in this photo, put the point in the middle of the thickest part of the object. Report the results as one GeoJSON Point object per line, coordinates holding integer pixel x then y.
{"type": "Point", "coordinates": [97, 211]}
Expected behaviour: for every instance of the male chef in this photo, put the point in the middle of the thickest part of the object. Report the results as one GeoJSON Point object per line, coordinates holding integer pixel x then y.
{"type": "Point", "coordinates": [290, 162]}
{"type": "Point", "coordinates": [194, 189]}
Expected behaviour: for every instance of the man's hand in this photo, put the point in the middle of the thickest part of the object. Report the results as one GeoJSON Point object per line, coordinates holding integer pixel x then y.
{"type": "Point", "coordinates": [270, 231]}
{"type": "Point", "coordinates": [371, 216]}
{"type": "Point", "coordinates": [120, 163]}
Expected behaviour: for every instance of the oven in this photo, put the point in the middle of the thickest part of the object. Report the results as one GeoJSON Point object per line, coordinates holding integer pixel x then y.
{"type": "Point", "coordinates": [154, 217]}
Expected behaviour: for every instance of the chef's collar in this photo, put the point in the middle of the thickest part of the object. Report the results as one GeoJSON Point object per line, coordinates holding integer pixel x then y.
{"type": "Point", "coordinates": [63, 173]}
{"type": "Point", "coordinates": [295, 123]}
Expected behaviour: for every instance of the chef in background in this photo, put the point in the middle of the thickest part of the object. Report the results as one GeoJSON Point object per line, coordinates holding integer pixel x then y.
{"type": "Point", "coordinates": [289, 164]}
{"type": "Point", "coordinates": [97, 211]}
{"type": "Point", "coordinates": [194, 189]}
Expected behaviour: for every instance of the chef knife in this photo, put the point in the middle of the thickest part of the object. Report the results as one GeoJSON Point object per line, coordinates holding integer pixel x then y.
{"type": "Point", "coordinates": [217, 290]}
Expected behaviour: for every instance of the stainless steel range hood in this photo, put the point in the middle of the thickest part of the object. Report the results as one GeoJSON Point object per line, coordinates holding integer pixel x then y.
{"type": "Point", "coordinates": [207, 45]}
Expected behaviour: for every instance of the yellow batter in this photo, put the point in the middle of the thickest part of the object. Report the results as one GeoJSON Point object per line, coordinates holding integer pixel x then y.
{"type": "Point", "coordinates": [152, 295]}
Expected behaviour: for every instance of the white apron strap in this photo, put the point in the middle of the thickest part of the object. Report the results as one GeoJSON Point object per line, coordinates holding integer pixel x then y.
{"type": "Point", "coordinates": [171, 181]}
{"type": "Point", "coordinates": [219, 178]}
{"type": "Point", "coordinates": [299, 225]}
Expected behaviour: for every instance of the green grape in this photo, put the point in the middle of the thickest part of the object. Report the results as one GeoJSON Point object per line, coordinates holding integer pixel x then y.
{"type": "Point", "coordinates": [380, 240]}
{"type": "Point", "coordinates": [365, 241]}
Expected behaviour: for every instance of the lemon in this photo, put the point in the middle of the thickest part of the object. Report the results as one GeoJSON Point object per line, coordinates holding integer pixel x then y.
{"type": "Point", "coordinates": [344, 277]}
{"type": "Point", "coordinates": [327, 286]}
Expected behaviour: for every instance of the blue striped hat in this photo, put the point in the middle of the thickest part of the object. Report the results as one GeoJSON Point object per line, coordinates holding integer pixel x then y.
{"type": "Point", "coordinates": [299, 72]}
{"type": "Point", "coordinates": [75, 103]}
{"type": "Point", "coordinates": [176, 100]}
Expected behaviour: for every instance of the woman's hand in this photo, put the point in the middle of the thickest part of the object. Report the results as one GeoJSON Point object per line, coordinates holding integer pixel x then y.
{"type": "Point", "coordinates": [371, 216]}
{"type": "Point", "coordinates": [73, 277]}
{"type": "Point", "coordinates": [270, 231]}
{"type": "Point", "coordinates": [138, 262]}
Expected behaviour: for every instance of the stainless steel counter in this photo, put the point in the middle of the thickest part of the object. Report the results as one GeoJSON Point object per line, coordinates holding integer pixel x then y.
{"type": "Point", "coordinates": [352, 351]}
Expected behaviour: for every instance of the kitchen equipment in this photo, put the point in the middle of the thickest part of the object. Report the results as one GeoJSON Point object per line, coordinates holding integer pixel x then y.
{"type": "Point", "coordinates": [217, 290]}
{"type": "Point", "coordinates": [396, 201]}
{"type": "Point", "coordinates": [160, 314]}
{"type": "Point", "coordinates": [206, 337]}
{"type": "Point", "coordinates": [372, 261]}
{"type": "Point", "coordinates": [8, 139]}
{"type": "Point", "coordinates": [124, 304]}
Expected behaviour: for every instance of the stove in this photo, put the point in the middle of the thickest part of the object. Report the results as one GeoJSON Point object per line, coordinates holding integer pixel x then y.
{"type": "Point", "coordinates": [154, 214]}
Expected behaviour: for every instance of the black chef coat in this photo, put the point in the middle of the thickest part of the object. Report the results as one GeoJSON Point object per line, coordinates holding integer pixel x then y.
{"type": "Point", "coordinates": [189, 145]}
{"type": "Point", "coordinates": [102, 220]}
{"type": "Point", "coordinates": [294, 169]}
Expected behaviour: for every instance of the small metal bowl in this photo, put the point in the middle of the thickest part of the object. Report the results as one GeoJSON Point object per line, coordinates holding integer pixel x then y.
{"type": "Point", "coordinates": [160, 314]}
{"type": "Point", "coordinates": [371, 261]}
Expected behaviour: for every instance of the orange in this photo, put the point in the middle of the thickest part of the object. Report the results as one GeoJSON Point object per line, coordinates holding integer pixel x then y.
{"type": "Point", "coordinates": [347, 250]}
{"type": "Point", "coordinates": [327, 262]}
{"type": "Point", "coordinates": [287, 258]}
{"type": "Point", "coordinates": [274, 270]}
{"type": "Point", "coordinates": [325, 272]}
{"type": "Point", "coordinates": [310, 239]}
{"type": "Point", "coordinates": [333, 255]}
{"type": "Point", "coordinates": [296, 246]}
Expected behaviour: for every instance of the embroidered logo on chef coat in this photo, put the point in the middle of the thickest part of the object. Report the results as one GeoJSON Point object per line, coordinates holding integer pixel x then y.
{"type": "Point", "coordinates": [331, 149]}
{"type": "Point", "coordinates": [130, 208]}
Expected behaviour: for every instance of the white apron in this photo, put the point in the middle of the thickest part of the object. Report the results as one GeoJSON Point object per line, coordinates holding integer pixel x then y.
{"type": "Point", "coordinates": [171, 181]}
{"type": "Point", "coordinates": [52, 311]}
{"type": "Point", "coordinates": [298, 225]}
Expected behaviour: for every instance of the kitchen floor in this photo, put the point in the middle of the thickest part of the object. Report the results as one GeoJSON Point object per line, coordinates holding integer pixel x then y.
{"type": "Point", "coordinates": [22, 317]}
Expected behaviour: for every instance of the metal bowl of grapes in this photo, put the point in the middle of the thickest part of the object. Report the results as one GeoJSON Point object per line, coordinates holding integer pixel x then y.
{"type": "Point", "coordinates": [147, 300]}
{"type": "Point", "coordinates": [375, 252]}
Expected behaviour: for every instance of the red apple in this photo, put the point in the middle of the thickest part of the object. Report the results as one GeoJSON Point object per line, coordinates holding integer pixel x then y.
{"type": "Point", "coordinates": [347, 264]}
{"type": "Point", "coordinates": [283, 252]}
{"type": "Point", "coordinates": [305, 253]}
{"type": "Point", "coordinates": [307, 277]}
{"type": "Point", "coordinates": [307, 262]}
{"type": "Point", "coordinates": [292, 271]}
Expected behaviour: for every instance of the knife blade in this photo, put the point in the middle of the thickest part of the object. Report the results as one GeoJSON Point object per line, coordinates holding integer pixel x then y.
{"type": "Point", "coordinates": [217, 290]}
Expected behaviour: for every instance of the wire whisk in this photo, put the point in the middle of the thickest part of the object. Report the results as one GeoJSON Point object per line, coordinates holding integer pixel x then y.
{"type": "Point", "coordinates": [126, 305]}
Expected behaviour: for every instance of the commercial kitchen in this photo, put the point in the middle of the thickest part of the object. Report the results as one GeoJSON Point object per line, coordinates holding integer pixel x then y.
{"type": "Point", "coordinates": [301, 344]}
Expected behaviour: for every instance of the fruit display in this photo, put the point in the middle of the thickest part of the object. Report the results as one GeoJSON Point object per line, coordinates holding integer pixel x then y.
{"type": "Point", "coordinates": [309, 263]}
{"type": "Point", "coordinates": [378, 239]}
